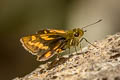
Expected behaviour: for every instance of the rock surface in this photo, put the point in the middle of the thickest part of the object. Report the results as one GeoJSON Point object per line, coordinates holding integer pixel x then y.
{"type": "Point", "coordinates": [93, 63]}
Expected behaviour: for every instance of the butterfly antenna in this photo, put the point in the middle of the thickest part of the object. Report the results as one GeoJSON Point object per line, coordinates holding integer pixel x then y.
{"type": "Point", "coordinates": [92, 24]}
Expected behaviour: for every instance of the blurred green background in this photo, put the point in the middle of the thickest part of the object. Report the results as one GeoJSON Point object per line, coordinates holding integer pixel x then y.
{"type": "Point", "coordinates": [23, 17]}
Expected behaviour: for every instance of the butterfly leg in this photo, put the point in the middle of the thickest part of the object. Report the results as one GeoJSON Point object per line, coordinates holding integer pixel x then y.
{"type": "Point", "coordinates": [75, 49]}
{"type": "Point", "coordinates": [68, 46]}
{"type": "Point", "coordinates": [69, 50]}
{"type": "Point", "coordinates": [38, 58]}
{"type": "Point", "coordinates": [80, 44]}
{"type": "Point", "coordinates": [88, 42]}
{"type": "Point", "coordinates": [80, 47]}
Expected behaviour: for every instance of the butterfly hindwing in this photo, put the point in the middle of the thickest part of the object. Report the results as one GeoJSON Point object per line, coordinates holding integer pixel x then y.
{"type": "Point", "coordinates": [55, 47]}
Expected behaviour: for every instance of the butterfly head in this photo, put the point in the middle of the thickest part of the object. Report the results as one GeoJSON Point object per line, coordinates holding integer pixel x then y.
{"type": "Point", "coordinates": [74, 36]}
{"type": "Point", "coordinates": [77, 33]}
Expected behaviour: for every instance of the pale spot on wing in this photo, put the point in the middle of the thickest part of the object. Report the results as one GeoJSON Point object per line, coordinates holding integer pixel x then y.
{"type": "Point", "coordinates": [59, 50]}
{"type": "Point", "coordinates": [56, 47]}
{"type": "Point", "coordinates": [57, 31]}
{"type": "Point", "coordinates": [30, 43]}
{"type": "Point", "coordinates": [48, 54]}
{"type": "Point", "coordinates": [45, 32]}
{"type": "Point", "coordinates": [46, 38]}
{"type": "Point", "coordinates": [41, 46]}
{"type": "Point", "coordinates": [33, 38]}
{"type": "Point", "coordinates": [36, 44]}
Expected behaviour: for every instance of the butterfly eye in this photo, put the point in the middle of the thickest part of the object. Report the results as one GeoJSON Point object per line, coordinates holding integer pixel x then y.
{"type": "Point", "coordinates": [76, 34]}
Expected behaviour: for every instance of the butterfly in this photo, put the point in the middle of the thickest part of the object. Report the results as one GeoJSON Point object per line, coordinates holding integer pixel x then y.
{"type": "Point", "coordinates": [48, 42]}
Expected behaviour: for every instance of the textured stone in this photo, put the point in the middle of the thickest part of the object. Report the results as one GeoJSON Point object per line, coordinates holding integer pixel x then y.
{"type": "Point", "coordinates": [93, 63]}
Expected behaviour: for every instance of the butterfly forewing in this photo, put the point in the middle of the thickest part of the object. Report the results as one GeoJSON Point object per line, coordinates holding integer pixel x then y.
{"type": "Point", "coordinates": [45, 43]}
